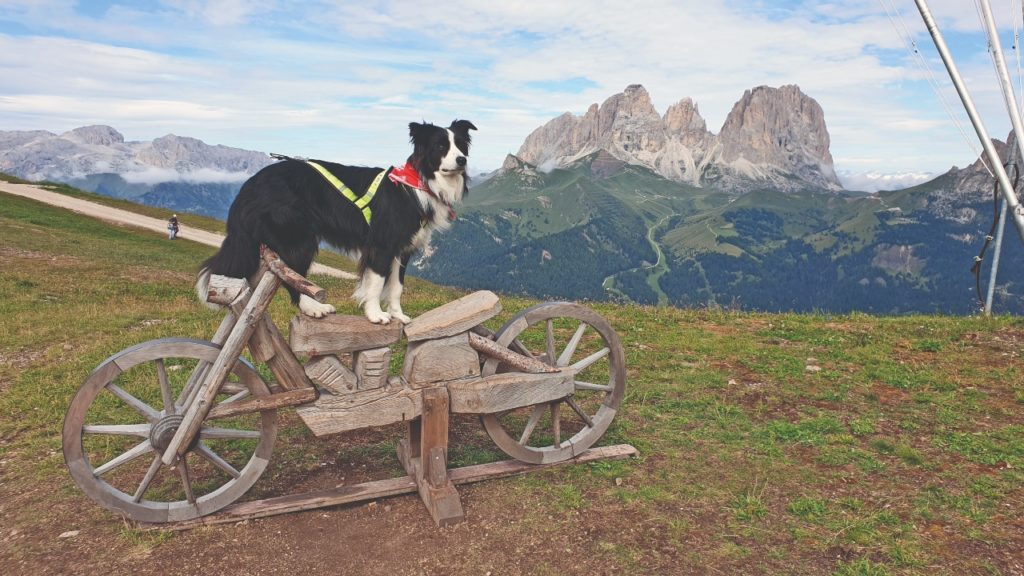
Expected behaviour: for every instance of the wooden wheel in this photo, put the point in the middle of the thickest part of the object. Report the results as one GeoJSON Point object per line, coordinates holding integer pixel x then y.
{"type": "Point", "coordinates": [565, 335]}
{"type": "Point", "coordinates": [128, 409]}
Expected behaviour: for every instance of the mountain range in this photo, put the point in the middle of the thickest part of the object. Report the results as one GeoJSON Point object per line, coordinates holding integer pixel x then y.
{"type": "Point", "coordinates": [623, 202]}
{"type": "Point", "coordinates": [174, 172]}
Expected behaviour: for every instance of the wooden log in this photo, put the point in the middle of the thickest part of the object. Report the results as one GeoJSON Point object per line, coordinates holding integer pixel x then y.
{"type": "Point", "coordinates": [377, 489]}
{"type": "Point", "coordinates": [431, 469]}
{"type": "Point", "coordinates": [431, 361]}
{"type": "Point", "coordinates": [454, 317]}
{"type": "Point", "coordinates": [270, 402]}
{"type": "Point", "coordinates": [331, 374]}
{"type": "Point", "coordinates": [378, 407]}
{"type": "Point", "coordinates": [224, 290]}
{"type": "Point", "coordinates": [371, 367]}
{"type": "Point", "coordinates": [508, 390]}
{"type": "Point", "coordinates": [508, 357]}
{"type": "Point", "coordinates": [290, 277]}
{"type": "Point", "coordinates": [198, 409]}
{"type": "Point", "coordinates": [261, 345]}
{"type": "Point", "coordinates": [290, 373]}
{"type": "Point", "coordinates": [338, 334]}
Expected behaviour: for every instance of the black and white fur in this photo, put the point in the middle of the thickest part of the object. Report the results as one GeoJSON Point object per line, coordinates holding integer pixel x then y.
{"type": "Point", "coordinates": [292, 208]}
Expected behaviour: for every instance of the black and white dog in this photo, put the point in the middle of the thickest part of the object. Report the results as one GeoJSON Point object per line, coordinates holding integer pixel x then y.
{"type": "Point", "coordinates": [291, 207]}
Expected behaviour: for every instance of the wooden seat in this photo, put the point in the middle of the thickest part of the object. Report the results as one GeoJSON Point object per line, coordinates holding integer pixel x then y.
{"type": "Point", "coordinates": [454, 317]}
{"type": "Point", "coordinates": [339, 334]}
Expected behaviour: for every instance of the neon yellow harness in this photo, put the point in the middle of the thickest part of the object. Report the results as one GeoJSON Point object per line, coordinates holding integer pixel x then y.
{"type": "Point", "coordinates": [361, 202]}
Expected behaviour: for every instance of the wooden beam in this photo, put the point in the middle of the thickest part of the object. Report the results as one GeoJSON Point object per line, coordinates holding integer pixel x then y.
{"type": "Point", "coordinates": [269, 402]}
{"type": "Point", "coordinates": [291, 277]}
{"type": "Point", "coordinates": [454, 317]}
{"type": "Point", "coordinates": [339, 334]}
{"type": "Point", "coordinates": [508, 357]}
{"type": "Point", "coordinates": [508, 390]}
{"type": "Point", "coordinates": [382, 489]}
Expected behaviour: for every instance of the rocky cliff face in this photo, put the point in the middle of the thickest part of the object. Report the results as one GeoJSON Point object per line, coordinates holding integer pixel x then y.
{"type": "Point", "coordinates": [772, 135]}
{"type": "Point", "coordinates": [41, 155]}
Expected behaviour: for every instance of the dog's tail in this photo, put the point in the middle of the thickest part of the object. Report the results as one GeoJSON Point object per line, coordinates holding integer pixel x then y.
{"type": "Point", "coordinates": [238, 257]}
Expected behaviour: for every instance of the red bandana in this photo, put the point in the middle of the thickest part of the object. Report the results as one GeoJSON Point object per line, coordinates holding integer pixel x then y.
{"type": "Point", "coordinates": [410, 177]}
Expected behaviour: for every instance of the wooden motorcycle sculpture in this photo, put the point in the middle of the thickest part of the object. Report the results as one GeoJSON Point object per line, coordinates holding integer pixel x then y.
{"type": "Point", "coordinates": [175, 429]}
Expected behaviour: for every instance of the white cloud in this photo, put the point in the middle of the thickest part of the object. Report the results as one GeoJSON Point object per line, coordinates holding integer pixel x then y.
{"type": "Point", "coordinates": [874, 181]}
{"type": "Point", "coordinates": [155, 175]}
{"type": "Point", "coordinates": [342, 80]}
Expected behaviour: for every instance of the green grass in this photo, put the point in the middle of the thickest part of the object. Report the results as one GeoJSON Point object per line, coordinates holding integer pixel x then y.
{"type": "Point", "coordinates": [903, 455]}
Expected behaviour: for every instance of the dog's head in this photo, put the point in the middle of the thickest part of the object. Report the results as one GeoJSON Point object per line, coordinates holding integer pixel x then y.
{"type": "Point", "coordinates": [440, 155]}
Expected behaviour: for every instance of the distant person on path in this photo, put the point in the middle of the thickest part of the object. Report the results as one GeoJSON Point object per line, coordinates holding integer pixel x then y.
{"type": "Point", "coordinates": [172, 227]}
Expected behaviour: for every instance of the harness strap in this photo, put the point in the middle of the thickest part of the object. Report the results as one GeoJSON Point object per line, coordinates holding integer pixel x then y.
{"type": "Point", "coordinates": [361, 202]}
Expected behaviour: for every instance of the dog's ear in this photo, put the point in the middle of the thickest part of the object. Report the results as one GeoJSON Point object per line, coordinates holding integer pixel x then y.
{"type": "Point", "coordinates": [418, 131]}
{"type": "Point", "coordinates": [463, 126]}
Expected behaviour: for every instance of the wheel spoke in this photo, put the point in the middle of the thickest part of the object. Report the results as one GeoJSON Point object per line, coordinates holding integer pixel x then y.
{"type": "Point", "coordinates": [136, 404]}
{"type": "Point", "coordinates": [154, 467]}
{"type": "Point", "coordinates": [186, 481]}
{"type": "Point", "coordinates": [556, 422]}
{"type": "Point", "coordinates": [579, 411]}
{"type": "Point", "coordinates": [165, 387]}
{"type": "Point", "coordinates": [117, 429]}
{"type": "Point", "coordinates": [570, 348]}
{"type": "Point", "coordinates": [549, 342]}
{"type": "Point", "coordinates": [210, 433]}
{"type": "Point", "coordinates": [139, 450]}
{"type": "Point", "coordinates": [197, 376]}
{"type": "Point", "coordinates": [236, 397]}
{"type": "Point", "coordinates": [205, 451]}
{"type": "Point", "coordinates": [594, 387]}
{"type": "Point", "coordinates": [589, 360]}
{"type": "Point", "coordinates": [538, 411]}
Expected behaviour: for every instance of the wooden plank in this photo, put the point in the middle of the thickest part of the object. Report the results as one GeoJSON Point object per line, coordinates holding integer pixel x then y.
{"type": "Point", "coordinates": [339, 334]}
{"type": "Point", "coordinates": [383, 489]}
{"type": "Point", "coordinates": [454, 317]}
{"type": "Point", "coordinates": [261, 344]}
{"type": "Point", "coordinates": [269, 402]}
{"type": "Point", "coordinates": [508, 390]}
{"type": "Point", "coordinates": [432, 361]}
{"type": "Point", "coordinates": [379, 407]}
{"type": "Point", "coordinates": [287, 369]}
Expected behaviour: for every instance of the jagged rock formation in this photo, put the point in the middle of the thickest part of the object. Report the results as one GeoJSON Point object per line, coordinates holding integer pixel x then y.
{"type": "Point", "coordinates": [773, 136]}
{"type": "Point", "coordinates": [41, 155]}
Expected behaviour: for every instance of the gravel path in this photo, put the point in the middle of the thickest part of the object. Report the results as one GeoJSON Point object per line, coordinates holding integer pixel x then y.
{"type": "Point", "coordinates": [125, 217]}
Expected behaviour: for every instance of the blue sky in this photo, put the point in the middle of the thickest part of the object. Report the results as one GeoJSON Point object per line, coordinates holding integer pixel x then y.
{"type": "Point", "coordinates": [340, 80]}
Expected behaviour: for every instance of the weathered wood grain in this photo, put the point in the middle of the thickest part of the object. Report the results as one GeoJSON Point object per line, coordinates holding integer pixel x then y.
{"type": "Point", "coordinates": [291, 277]}
{"type": "Point", "coordinates": [269, 402]}
{"type": "Point", "coordinates": [371, 367]}
{"type": "Point", "coordinates": [339, 334]}
{"type": "Point", "coordinates": [507, 391]}
{"type": "Point", "coordinates": [331, 374]}
{"type": "Point", "coordinates": [454, 317]}
{"type": "Point", "coordinates": [378, 407]}
{"type": "Point", "coordinates": [508, 357]}
{"type": "Point", "coordinates": [431, 361]}
{"type": "Point", "coordinates": [225, 290]}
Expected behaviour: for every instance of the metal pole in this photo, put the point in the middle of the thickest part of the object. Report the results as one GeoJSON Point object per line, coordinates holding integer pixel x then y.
{"type": "Point", "coordinates": [1018, 130]}
{"type": "Point", "coordinates": [997, 249]}
{"type": "Point", "coordinates": [1013, 205]}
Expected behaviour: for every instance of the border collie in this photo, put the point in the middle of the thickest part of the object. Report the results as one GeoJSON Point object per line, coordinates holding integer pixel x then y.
{"type": "Point", "coordinates": [292, 208]}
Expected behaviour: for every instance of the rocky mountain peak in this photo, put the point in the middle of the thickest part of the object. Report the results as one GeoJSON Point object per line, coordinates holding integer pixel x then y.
{"type": "Point", "coordinates": [98, 135]}
{"type": "Point", "coordinates": [773, 134]}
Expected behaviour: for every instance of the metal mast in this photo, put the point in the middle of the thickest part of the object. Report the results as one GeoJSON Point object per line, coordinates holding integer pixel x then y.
{"type": "Point", "coordinates": [1012, 203]}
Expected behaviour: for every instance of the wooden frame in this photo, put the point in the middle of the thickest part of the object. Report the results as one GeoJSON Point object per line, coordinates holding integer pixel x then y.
{"type": "Point", "coordinates": [453, 365]}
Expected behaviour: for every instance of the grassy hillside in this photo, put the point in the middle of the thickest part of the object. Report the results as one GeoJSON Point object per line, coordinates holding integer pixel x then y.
{"type": "Point", "coordinates": [770, 443]}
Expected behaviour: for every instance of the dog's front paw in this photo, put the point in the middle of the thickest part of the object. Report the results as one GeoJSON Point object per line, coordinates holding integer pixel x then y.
{"type": "Point", "coordinates": [311, 307]}
{"type": "Point", "coordinates": [378, 317]}
{"type": "Point", "coordinates": [401, 317]}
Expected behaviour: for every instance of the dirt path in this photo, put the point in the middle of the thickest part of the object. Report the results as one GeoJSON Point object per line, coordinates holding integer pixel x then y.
{"type": "Point", "coordinates": [111, 214]}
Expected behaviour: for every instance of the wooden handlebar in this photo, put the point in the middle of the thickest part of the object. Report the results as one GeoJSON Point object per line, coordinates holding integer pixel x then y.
{"type": "Point", "coordinates": [291, 277]}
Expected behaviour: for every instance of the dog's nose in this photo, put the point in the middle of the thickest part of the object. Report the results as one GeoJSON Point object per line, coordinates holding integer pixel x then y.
{"type": "Point", "coordinates": [461, 161]}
